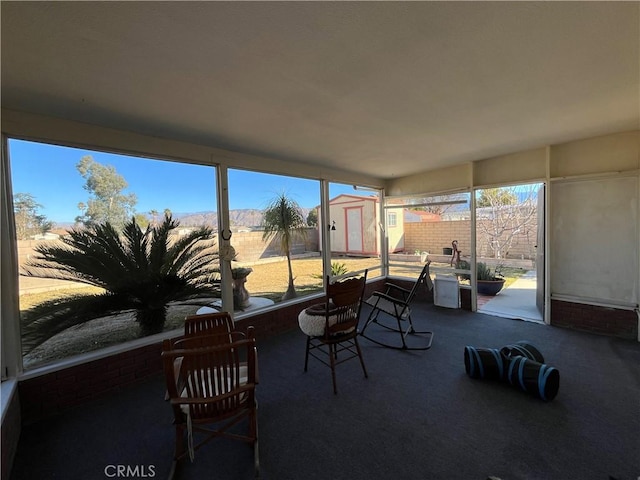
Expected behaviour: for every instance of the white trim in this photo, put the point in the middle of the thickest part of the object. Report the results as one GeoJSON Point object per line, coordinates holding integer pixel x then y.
{"type": "Point", "coordinates": [595, 176]}
{"type": "Point", "coordinates": [8, 389]}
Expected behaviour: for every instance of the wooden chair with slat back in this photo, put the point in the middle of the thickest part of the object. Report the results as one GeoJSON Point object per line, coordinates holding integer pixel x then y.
{"type": "Point", "coordinates": [395, 303]}
{"type": "Point", "coordinates": [332, 326]}
{"type": "Point", "coordinates": [216, 326]}
{"type": "Point", "coordinates": [213, 392]}
{"type": "Point", "coordinates": [208, 323]}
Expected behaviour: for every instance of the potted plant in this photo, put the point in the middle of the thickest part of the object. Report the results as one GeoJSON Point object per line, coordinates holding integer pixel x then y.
{"type": "Point", "coordinates": [240, 294]}
{"type": "Point", "coordinates": [489, 282]}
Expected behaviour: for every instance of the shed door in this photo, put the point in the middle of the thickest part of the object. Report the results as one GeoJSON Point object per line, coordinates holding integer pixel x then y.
{"type": "Point", "coordinates": [354, 230]}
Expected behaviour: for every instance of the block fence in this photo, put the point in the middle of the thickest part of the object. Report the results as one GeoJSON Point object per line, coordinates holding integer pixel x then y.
{"type": "Point", "coordinates": [432, 237]}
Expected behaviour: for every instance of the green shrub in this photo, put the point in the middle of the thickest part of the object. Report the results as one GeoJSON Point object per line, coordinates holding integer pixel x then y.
{"type": "Point", "coordinates": [337, 269]}
{"type": "Point", "coordinates": [483, 272]}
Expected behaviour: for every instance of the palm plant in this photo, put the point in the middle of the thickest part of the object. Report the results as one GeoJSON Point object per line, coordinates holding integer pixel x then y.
{"type": "Point", "coordinates": [140, 271]}
{"type": "Point", "coordinates": [284, 219]}
{"type": "Point", "coordinates": [337, 269]}
{"type": "Point", "coordinates": [484, 272]}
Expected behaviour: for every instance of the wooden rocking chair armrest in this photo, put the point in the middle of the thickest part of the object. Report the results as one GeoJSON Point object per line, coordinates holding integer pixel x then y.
{"type": "Point", "coordinates": [390, 298]}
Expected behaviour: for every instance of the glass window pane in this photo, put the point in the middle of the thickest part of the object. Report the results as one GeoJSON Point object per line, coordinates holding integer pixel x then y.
{"type": "Point", "coordinates": [354, 230]}
{"type": "Point", "coordinates": [107, 290]}
{"type": "Point", "coordinates": [275, 235]}
{"type": "Point", "coordinates": [436, 228]}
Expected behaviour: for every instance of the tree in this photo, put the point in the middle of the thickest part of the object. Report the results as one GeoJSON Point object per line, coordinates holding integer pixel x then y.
{"type": "Point", "coordinates": [140, 271]}
{"type": "Point", "coordinates": [495, 197]}
{"type": "Point", "coordinates": [27, 219]}
{"type": "Point", "coordinates": [283, 219]}
{"type": "Point", "coordinates": [504, 214]}
{"type": "Point", "coordinates": [107, 203]}
{"type": "Point", "coordinates": [438, 204]}
{"type": "Point", "coordinates": [312, 218]}
{"type": "Point", "coordinates": [154, 216]}
{"type": "Point", "coordinates": [142, 220]}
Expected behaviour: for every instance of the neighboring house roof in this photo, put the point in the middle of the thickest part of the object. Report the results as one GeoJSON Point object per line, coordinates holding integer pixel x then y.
{"type": "Point", "coordinates": [421, 216]}
{"type": "Point", "coordinates": [347, 198]}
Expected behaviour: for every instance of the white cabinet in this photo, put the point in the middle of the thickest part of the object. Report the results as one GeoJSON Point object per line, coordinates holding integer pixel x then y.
{"type": "Point", "coordinates": [446, 292]}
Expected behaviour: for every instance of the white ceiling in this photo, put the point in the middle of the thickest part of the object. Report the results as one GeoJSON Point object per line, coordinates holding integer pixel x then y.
{"type": "Point", "coordinates": [387, 88]}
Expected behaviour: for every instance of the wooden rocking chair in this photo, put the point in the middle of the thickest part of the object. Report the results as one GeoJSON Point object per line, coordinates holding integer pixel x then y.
{"type": "Point", "coordinates": [212, 390]}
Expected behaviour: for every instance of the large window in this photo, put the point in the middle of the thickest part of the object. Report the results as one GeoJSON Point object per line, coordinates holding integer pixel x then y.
{"type": "Point", "coordinates": [107, 290]}
{"type": "Point", "coordinates": [92, 226]}
{"type": "Point", "coordinates": [274, 227]}
{"type": "Point", "coordinates": [435, 228]}
{"type": "Point", "coordinates": [354, 230]}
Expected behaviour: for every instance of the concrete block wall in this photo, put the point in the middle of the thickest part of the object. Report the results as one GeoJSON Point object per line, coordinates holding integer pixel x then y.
{"type": "Point", "coordinates": [424, 236]}
{"type": "Point", "coordinates": [434, 236]}
{"type": "Point", "coordinates": [25, 249]}
{"type": "Point", "coordinates": [250, 247]}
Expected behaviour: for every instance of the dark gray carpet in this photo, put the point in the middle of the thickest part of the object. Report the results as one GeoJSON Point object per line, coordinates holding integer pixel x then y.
{"type": "Point", "coordinates": [418, 416]}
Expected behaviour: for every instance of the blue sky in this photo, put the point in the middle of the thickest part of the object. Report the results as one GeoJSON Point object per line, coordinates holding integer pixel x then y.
{"type": "Point", "coordinates": [49, 173]}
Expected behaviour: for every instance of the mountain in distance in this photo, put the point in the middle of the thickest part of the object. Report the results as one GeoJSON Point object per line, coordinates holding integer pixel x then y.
{"type": "Point", "coordinates": [246, 217]}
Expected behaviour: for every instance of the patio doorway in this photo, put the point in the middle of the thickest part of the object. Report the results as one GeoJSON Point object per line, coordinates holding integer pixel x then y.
{"type": "Point", "coordinates": [510, 240]}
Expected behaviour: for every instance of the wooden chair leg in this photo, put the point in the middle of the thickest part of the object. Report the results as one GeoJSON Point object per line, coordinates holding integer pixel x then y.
{"type": "Point", "coordinates": [306, 357]}
{"type": "Point", "coordinates": [256, 460]}
{"type": "Point", "coordinates": [172, 472]}
{"type": "Point", "coordinates": [254, 431]}
{"type": "Point", "coordinates": [364, 369]}
{"type": "Point", "coordinates": [332, 356]}
{"type": "Point", "coordinates": [179, 450]}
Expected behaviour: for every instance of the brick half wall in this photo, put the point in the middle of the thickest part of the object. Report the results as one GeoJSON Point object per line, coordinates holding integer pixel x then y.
{"type": "Point", "coordinates": [595, 319]}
